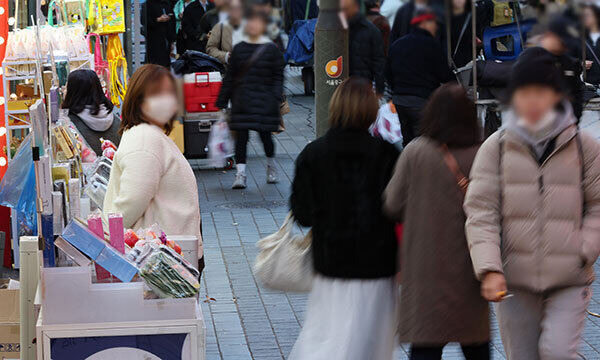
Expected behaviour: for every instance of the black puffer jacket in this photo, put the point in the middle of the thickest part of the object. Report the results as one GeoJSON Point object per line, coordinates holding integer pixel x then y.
{"type": "Point", "coordinates": [367, 55]}
{"type": "Point", "coordinates": [337, 190]}
{"type": "Point", "coordinates": [255, 91]}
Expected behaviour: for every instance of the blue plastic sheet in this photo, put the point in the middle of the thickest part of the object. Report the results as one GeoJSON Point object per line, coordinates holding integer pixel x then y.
{"type": "Point", "coordinates": [17, 189]}
{"type": "Point", "coordinates": [300, 48]}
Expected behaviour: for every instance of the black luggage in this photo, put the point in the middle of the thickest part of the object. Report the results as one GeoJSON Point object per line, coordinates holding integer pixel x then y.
{"type": "Point", "coordinates": [196, 129]}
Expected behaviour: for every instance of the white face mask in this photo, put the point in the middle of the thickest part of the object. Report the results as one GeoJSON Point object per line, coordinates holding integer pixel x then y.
{"type": "Point", "coordinates": [160, 108]}
{"type": "Point", "coordinates": [545, 122]}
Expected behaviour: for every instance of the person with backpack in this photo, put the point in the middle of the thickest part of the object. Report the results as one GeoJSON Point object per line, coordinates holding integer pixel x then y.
{"type": "Point", "coordinates": [533, 215]}
{"type": "Point", "coordinates": [440, 300]}
{"type": "Point", "coordinates": [254, 84]}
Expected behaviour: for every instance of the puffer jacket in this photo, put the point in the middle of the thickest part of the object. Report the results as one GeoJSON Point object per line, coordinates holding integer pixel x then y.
{"type": "Point", "coordinates": [537, 224]}
{"type": "Point", "coordinates": [255, 90]}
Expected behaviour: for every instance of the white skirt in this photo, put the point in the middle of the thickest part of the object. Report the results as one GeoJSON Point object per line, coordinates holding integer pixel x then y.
{"type": "Point", "coordinates": [349, 320]}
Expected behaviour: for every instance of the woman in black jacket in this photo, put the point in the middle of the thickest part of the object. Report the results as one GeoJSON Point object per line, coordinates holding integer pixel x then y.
{"type": "Point", "coordinates": [90, 110]}
{"type": "Point", "coordinates": [337, 190]}
{"type": "Point", "coordinates": [591, 21]}
{"type": "Point", "coordinates": [160, 32]}
{"type": "Point", "coordinates": [254, 84]}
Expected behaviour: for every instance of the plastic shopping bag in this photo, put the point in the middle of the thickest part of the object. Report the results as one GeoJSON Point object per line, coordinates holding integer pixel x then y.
{"type": "Point", "coordinates": [387, 125]}
{"type": "Point", "coordinates": [220, 143]}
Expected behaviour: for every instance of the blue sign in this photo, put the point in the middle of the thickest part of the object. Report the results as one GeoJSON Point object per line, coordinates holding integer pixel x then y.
{"type": "Point", "coordinates": [163, 346]}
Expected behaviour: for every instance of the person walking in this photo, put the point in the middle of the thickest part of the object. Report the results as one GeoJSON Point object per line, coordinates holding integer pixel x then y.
{"type": "Point", "coordinates": [225, 35]}
{"type": "Point", "coordinates": [90, 110]}
{"type": "Point", "coordinates": [591, 21]}
{"type": "Point", "coordinates": [365, 46]}
{"type": "Point", "coordinates": [460, 33]}
{"type": "Point", "coordinates": [151, 182]}
{"type": "Point", "coordinates": [190, 24]}
{"type": "Point", "coordinates": [380, 21]}
{"type": "Point", "coordinates": [563, 40]}
{"type": "Point", "coordinates": [533, 216]}
{"type": "Point", "coordinates": [337, 191]}
{"type": "Point", "coordinates": [254, 84]}
{"type": "Point", "coordinates": [160, 29]}
{"type": "Point", "coordinates": [440, 300]}
{"type": "Point", "coordinates": [416, 67]}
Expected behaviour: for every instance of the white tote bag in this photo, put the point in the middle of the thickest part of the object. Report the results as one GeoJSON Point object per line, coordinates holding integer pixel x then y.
{"type": "Point", "coordinates": [285, 260]}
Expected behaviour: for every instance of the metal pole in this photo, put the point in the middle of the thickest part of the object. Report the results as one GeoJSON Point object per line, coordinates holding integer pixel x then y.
{"type": "Point", "coordinates": [127, 36]}
{"type": "Point", "coordinates": [449, 9]}
{"type": "Point", "coordinates": [474, 43]}
{"type": "Point", "coordinates": [331, 58]}
{"type": "Point", "coordinates": [136, 51]}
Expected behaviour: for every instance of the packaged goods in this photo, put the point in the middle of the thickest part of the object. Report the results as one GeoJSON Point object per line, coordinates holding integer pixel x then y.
{"type": "Point", "coordinates": [164, 271]}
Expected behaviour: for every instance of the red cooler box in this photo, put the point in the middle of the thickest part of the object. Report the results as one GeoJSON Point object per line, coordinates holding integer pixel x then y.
{"type": "Point", "coordinates": [200, 91]}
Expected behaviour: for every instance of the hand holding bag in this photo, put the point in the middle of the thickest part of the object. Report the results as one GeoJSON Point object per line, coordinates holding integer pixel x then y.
{"type": "Point", "coordinates": [285, 260]}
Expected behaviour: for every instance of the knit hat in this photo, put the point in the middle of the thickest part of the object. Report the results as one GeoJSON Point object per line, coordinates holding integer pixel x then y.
{"type": "Point", "coordinates": [536, 66]}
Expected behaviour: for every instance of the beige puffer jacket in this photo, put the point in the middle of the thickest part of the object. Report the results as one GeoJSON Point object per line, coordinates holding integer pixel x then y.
{"type": "Point", "coordinates": [543, 240]}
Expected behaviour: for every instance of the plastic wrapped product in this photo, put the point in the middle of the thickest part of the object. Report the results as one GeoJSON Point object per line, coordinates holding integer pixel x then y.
{"type": "Point", "coordinates": [98, 250]}
{"type": "Point", "coordinates": [166, 275]}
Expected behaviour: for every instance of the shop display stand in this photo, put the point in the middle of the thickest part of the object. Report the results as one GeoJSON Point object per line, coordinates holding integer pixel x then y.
{"type": "Point", "coordinates": [28, 277]}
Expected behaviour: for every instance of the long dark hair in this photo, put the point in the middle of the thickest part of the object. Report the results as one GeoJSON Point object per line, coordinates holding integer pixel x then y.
{"type": "Point", "coordinates": [85, 91]}
{"type": "Point", "coordinates": [596, 11]}
{"type": "Point", "coordinates": [450, 118]}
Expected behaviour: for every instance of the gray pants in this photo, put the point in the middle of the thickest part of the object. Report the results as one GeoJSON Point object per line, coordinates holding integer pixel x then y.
{"type": "Point", "coordinates": [544, 326]}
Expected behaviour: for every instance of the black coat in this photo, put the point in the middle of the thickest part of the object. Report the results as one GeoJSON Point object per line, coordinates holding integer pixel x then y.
{"type": "Point", "coordinates": [464, 50]}
{"type": "Point", "coordinates": [367, 55]}
{"type": "Point", "coordinates": [337, 190]}
{"type": "Point", "coordinates": [417, 65]}
{"type": "Point", "coordinates": [206, 24]}
{"type": "Point", "coordinates": [572, 69]}
{"type": "Point", "coordinates": [92, 137]}
{"type": "Point", "coordinates": [190, 26]}
{"type": "Point", "coordinates": [255, 91]}
{"type": "Point", "coordinates": [593, 74]}
{"type": "Point", "coordinates": [402, 20]}
{"type": "Point", "coordinates": [160, 35]}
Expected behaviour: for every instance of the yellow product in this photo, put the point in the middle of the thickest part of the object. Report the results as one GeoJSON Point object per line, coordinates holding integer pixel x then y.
{"type": "Point", "coordinates": [117, 66]}
{"type": "Point", "coordinates": [63, 142]}
{"type": "Point", "coordinates": [113, 17]}
{"type": "Point", "coordinates": [94, 16]}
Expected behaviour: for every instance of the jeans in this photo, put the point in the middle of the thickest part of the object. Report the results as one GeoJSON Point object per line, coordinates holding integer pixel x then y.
{"type": "Point", "coordinates": [471, 352]}
{"type": "Point", "coordinates": [241, 144]}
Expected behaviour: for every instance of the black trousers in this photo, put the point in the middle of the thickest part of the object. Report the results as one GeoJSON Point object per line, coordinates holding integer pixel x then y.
{"type": "Point", "coordinates": [241, 144]}
{"type": "Point", "coordinates": [471, 352]}
{"type": "Point", "coordinates": [410, 122]}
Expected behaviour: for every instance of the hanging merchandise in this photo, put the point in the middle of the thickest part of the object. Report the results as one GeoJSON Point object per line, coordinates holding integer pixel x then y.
{"type": "Point", "coordinates": [100, 65]}
{"type": "Point", "coordinates": [75, 11]}
{"type": "Point", "coordinates": [117, 65]}
{"type": "Point", "coordinates": [106, 16]}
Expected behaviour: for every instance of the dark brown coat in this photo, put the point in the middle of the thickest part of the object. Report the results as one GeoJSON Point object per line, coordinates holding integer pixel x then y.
{"type": "Point", "coordinates": [440, 299]}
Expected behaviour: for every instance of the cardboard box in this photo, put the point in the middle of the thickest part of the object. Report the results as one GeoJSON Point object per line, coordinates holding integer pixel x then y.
{"type": "Point", "coordinates": [9, 322]}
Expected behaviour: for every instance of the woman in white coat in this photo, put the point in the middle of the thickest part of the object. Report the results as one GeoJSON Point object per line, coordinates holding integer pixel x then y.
{"type": "Point", "coordinates": [151, 182]}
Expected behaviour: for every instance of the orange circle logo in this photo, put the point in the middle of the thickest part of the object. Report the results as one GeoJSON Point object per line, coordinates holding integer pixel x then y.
{"type": "Point", "coordinates": [333, 68]}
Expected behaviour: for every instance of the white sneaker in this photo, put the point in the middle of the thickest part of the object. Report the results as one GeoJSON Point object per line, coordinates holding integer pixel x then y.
{"type": "Point", "coordinates": [240, 181]}
{"type": "Point", "coordinates": [272, 175]}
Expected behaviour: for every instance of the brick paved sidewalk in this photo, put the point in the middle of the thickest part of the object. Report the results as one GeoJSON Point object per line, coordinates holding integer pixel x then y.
{"type": "Point", "coordinates": [246, 321]}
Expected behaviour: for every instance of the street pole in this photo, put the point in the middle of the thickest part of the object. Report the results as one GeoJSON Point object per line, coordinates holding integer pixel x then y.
{"type": "Point", "coordinates": [331, 58]}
